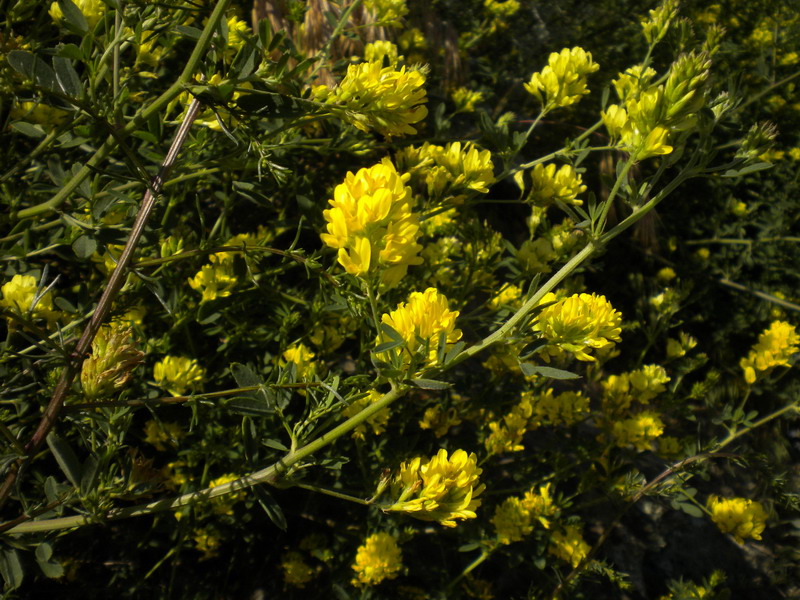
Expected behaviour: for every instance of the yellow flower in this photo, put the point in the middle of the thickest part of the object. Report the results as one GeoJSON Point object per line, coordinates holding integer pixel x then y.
{"type": "Point", "coordinates": [569, 545]}
{"type": "Point", "coordinates": [178, 374]}
{"type": "Point", "coordinates": [774, 348]}
{"type": "Point", "coordinates": [207, 541]}
{"type": "Point", "coordinates": [440, 421]}
{"type": "Point", "coordinates": [510, 295]}
{"type": "Point", "coordinates": [442, 489]}
{"type": "Point", "coordinates": [377, 422]}
{"type": "Point", "coordinates": [238, 32]}
{"type": "Point", "coordinates": [536, 255]}
{"type": "Point", "coordinates": [563, 81]}
{"type": "Point", "coordinates": [372, 225]}
{"type": "Point", "coordinates": [679, 348]}
{"type": "Point", "coordinates": [666, 275]}
{"type": "Point", "coordinates": [577, 324]}
{"type": "Point", "coordinates": [113, 358]}
{"type": "Point", "coordinates": [387, 12]}
{"type": "Point", "coordinates": [296, 572]}
{"type": "Point", "coordinates": [515, 518]}
{"type": "Point", "coordinates": [632, 82]}
{"type": "Point", "coordinates": [378, 50]}
{"type": "Point", "coordinates": [302, 357]}
{"type": "Point", "coordinates": [160, 435]}
{"type": "Point", "coordinates": [655, 27]}
{"type": "Point", "coordinates": [223, 505]}
{"type": "Point", "coordinates": [738, 516]}
{"type": "Point", "coordinates": [92, 10]}
{"type": "Point", "coordinates": [638, 431]}
{"type": "Point", "coordinates": [549, 185]}
{"type": "Point", "coordinates": [448, 172]}
{"type": "Point", "coordinates": [465, 99]}
{"type": "Point", "coordinates": [214, 281]}
{"type": "Point", "coordinates": [377, 559]}
{"type": "Point", "coordinates": [501, 9]}
{"type": "Point", "coordinates": [641, 385]}
{"type": "Point", "coordinates": [22, 295]}
{"type": "Point", "coordinates": [565, 409]}
{"type": "Point", "coordinates": [371, 96]}
{"type": "Point", "coordinates": [49, 117]}
{"type": "Point", "coordinates": [420, 322]}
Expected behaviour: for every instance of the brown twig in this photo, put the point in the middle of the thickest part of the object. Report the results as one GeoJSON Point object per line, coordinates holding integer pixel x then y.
{"type": "Point", "coordinates": [118, 275]}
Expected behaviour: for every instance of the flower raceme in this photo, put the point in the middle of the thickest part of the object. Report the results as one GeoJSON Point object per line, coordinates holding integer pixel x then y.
{"type": "Point", "coordinates": [549, 185]}
{"type": "Point", "coordinates": [371, 224]}
{"type": "Point", "coordinates": [516, 517]}
{"type": "Point", "coordinates": [740, 517]}
{"type": "Point", "coordinates": [371, 96]}
{"type": "Point", "coordinates": [420, 322]}
{"type": "Point", "coordinates": [578, 325]}
{"type": "Point", "coordinates": [114, 356]}
{"type": "Point", "coordinates": [178, 374]}
{"type": "Point", "coordinates": [774, 348]}
{"type": "Point", "coordinates": [21, 295]}
{"type": "Point", "coordinates": [377, 559]}
{"type": "Point", "coordinates": [563, 81]}
{"type": "Point", "coordinates": [442, 489]}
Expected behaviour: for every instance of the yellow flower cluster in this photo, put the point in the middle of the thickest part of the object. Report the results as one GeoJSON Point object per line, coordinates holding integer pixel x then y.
{"type": "Point", "coordinates": [510, 295]}
{"type": "Point", "coordinates": [550, 185]}
{"type": "Point", "coordinates": [442, 489]}
{"type": "Point", "coordinates": [178, 374]}
{"type": "Point", "coordinates": [774, 348]}
{"type": "Point", "coordinates": [569, 545]}
{"type": "Point", "coordinates": [650, 114]}
{"type": "Point", "coordinates": [448, 172]}
{"type": "Point", "coordinates": [515, 518]}
{"type": "Point", "coordinates": [377, 559]}
{"type": "Point", "coordinates": [420, 323]}
{"type": "Point", "coordinates": [506, 434]}
{"type": "Point", "coordinates": [678, 348]}
{"type": "Point", "coordinates": [162, 435]}
{"type": "Point", "coordinates": [501, 9]}
{"type": "Point", "coordinates": [740, 517]}
{"type": "Point", "coordinates": [21, 295]}
{"type": "Point", "coordinates": [49, 117]}
{"type": "Point", "coordinates": [218, 278]}
{"type": "Point", "coordinates": [377, 422]}
{"type": "Point", "coordinates": [296, 571]}
{"type": "Point", "coordinates": [113, 358]}
{"type": "Point", "coordinates": [565, 409]}
{"type": "Point", "coordinates": [641, 385]}
{"type": "Point", "coordinates": [238, 32]}
{"type": "Point", "coordinates": [439, 420]}
{"type": "Point", "coordinates": [656, 25]}
{"type": "Point", "coordinates": [563, 81]}
{"type": "Point", "coordinates": [578, 324]}
{"type": "Point", "coordinates": [387, 12]}
{"type": "Point", "coordinates": [302, 357]}
{"type": "Point", "coordinates": [465, 99]}
{"type": "Point", "coordinates": [92, 10]}
{"type": "Point", "coordinates": [371, 223]}
{"type": "Point", "coordinates": [223, 505]}
{"type": "Point", "coordinates": [638, 431]}
{"type": "Point", "coordinates": [371, 96]}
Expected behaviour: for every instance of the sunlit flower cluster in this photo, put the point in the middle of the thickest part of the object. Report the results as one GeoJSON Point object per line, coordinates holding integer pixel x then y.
{"type": "Point", "coordinates": [641, 385]}
{"type": "Point", "coordinates": [506, 434]}
{"type": "Point", "coordinates": [371, 223]}
{"type": "Point", "coordinates": [377, 422]}
{"type": "Point", "coordinates": [568, 545]}
{"type": "Point", "coordinates": [302, 358]}
{"type": "Point", "coordinates": [442, 489]}
{"type": "Point", "coordinates": [448, 172]}
{"type": "Point", "coordinates": [421, 322]}
{"type": "Point", "coordinates": [516, 517]}
{"type": "Point", "coordinates": [179, 374]}
{"type": "Point", "coordinates": [638, 431]}
{"type": "Point", "coordinates": [774, 348]}
{"type": "Point", "coordinates": [510, 295]}
{"type": "Point", "coordinates": [110, 365]}
{"type": "Point", "coordinates": [22, 296]}
{"type": "Point", "coordinates": [549, 185]}
{"type": "Point", "coordinates": [740, 517]}
{"type": "Point", "coordinates": [92, 10]}
{"type": "Point", "coordinates": [440, 420]}
{"type": "Point", "coordinates": [567, 408]}
{"type": "Point", "coordinates": [371, 96]}
{"type": "Point", "coordinates": [379, 50]}
{"type": "Point", "coordinates": [563, 81]}
{"type": "Point", "coordinates": [465, 99]}
{"type": "Point", "coordinates": [377, 559]}
{"type": "Point", "coordinates": [579, 324]}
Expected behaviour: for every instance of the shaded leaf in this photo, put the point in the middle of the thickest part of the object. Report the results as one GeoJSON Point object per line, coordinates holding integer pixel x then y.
{"type": "Point", "coordinates": [530, 370]}
{"type": "Point", "coordinates": [271, 507]}
{"type": "Point", "coordinates": [66, 459]}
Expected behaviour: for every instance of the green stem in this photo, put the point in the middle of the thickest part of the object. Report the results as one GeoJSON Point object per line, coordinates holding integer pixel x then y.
{"type": "Point", "coordinates": [332, 493]}
{"type": "Point", "coordinates": [137, 122]}
{"type": "Point", "coordinates": [485, 553]}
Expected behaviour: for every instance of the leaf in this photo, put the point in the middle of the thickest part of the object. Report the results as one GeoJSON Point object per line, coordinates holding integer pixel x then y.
{"type": "Point", "coordinates": [11, 568]}
{"type": "Point", "coordinates": [690, 509]}
{"type": "Point", "coordinates": [244, 376]}
{"type": "Point", "coordinates": [275, 105]}
{"type": "Point", "coordinates": [271, 507]}
{"type": "Point", "coordinates": [250, 407]}
{"type": "Point", "coordinates": [69, 51]}
{"type": "Point", "coordinates": [430, 384]}
{"type": "Point", "coordinates": [530, 370]}
{"type": "Point", "coordinates": [469, 547]}
{"type": "Point", "coordinates": [67, 77]}
{"type": "Point", "coordinates": [760, 166]}
{"type": "Point", "coordinates": [386, 346]}
{"type": "Point", "coordinates": [34, 68]}
{"type": "Point", "coordinates": [44, 551]}
{"type": "Point", "coordinates": [73, 17]}
{"type": "Point", "coordinates": [51, 569]}
{"type": "Point", "coordinates": [29, 129]}
{"type": "Point", "coordinates": [249, 439]}
{"type": "Point", "coordinates": [84, 246]}
{"type": "Point", "coordinates": [275, 445]}
{"type": "Point", "coordinates": [89, 474]}
{"type": "Point", "coordinates": [65, 458]}
{"type": "Point", "coordinates": [192, 33]}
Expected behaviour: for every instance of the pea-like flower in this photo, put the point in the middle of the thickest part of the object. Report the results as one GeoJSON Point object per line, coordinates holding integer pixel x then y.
{"type": "Point", "coordinates": [442, 489]}
{"type": "Point", "coordinates": [563, 81]}
{"type": "Point", "coordinates": [774, 348]}
{"type": "Point", "coordinates": [740, 517]}
{"type": "Point", "coordinates": [421, 322]}
{"type": "Point", "coordinates": [377, 559]}
{"type": "Point", "coordinates": [578, 324]}
{"type": "Point", "coordinates": [549, 185]}
{"type": "Point", "coordinates": [371, 224]}
{"type": "Point", "coordinates": [178, 374]}
{"type": "Point", "coordinates": [113, 358]}
{"type": "Point", "coordinates": [371, 96]}
{"type": "Point", "coordinates": [638, 431]}
{"type": "Point", "coordinates": [21, 295]}
{"type": "Point", "coordinates": [568, 545]}
{"type": "Point", "coordinates": [515, 518]}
